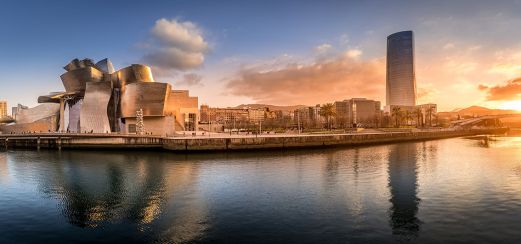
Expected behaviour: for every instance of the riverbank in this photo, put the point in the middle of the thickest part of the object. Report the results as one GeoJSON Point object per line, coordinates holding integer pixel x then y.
{"type": "Point", "coordinates": [223, 142]}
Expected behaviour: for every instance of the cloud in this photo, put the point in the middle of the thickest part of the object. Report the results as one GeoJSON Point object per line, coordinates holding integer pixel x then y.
{"type": "Point", "coordinates": [509, 91]}
{"type": "Point", "coordinates": [175, 45]}
{"type": "Point", "coordinates": [506, 63]}
{"type": "Point", "coordinates": [323, 48]}
{"type": "Point", "coordinates": [319, 82]}
{"type": "Point", "coordinates": [183, 35]}
{"type": "Point", "coordinates": [505, 69]}
{"type": "Point", "coordinates": [353, 53]}
{"type": "Point", "coordinates": [460, 66]}
{"type": "Point", "coordinates": [426, 92]}
{"type": "Point", "coordinates": [344, 39]}
{"type": "Point", "coordinates": [422, 92]}
{"type": "Point", "coordinates": [449, 45]}
{"type": "Point", "coordinates": [191, 80]}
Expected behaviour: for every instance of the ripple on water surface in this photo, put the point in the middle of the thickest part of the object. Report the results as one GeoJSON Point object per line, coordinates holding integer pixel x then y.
{"type": "Point", "coordinates": [455, 190]}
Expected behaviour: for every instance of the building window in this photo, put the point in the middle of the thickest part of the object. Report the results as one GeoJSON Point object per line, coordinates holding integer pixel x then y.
{"type": "Point", "coordinates": [191, 122]}
{"type": "Point", "coordinates": [132, 128]}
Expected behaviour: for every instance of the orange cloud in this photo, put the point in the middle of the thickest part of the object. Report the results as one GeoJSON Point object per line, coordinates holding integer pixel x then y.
{"type": "Point", "coordinates": [421, 93]}
{"type": "Point", "coordinates": [482, 87]}
{"type": "Point", "coordinates": [319, 82]}
{"type": "Point", "coordinates": [191, 79]}
{"type": "Point", "coordinates": [509, 91]}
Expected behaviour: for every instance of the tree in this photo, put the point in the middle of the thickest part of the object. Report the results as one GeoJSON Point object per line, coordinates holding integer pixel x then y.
{"type": "Point", "coordinates": [408, 117]}
{"type": "Point", "coordinates": [328, 111]}
{"type": "Point", "coordinates": [418, 114]}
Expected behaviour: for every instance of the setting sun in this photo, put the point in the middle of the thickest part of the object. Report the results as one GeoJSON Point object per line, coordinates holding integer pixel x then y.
{"type": "Point", "coordinates": [512, 105]}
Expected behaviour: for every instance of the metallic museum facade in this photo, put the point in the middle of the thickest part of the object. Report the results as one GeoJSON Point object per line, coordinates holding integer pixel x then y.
{"type": "Point", "coordinates": [99, 99]}
{"type": "Point", "coordinates": [400, 80]}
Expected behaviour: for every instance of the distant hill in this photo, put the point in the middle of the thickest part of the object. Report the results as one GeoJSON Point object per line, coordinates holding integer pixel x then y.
{"type": "Point", "coordinates": [272, 107]}
{"type": "Point", "coordinates": [480, 111]}
{"type": "Point", "coordinates": [476, 111]}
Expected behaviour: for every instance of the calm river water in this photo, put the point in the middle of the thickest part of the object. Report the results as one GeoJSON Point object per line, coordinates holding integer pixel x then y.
{"type": "Point", "coordinates": [462, 190]}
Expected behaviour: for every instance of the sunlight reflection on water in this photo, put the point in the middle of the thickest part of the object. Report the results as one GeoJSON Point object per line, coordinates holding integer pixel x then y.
{"type": "Point", "coordinates": [454, 190]}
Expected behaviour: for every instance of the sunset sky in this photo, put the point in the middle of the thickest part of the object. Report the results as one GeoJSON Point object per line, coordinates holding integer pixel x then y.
{"type": "Point", "coordinates": [296, 52]}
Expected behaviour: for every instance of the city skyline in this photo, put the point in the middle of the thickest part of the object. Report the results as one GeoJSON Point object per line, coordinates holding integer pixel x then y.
{"type": "Point", "coordinates": [465, 51]}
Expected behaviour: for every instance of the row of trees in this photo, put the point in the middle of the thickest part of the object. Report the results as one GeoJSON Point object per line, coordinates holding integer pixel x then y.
{"type": "Point", "coordinates": [417, 116]}
{"type": "Point", "coordinates": [400, 115]}
{"type": "Point", "coordinates": [329, 120]}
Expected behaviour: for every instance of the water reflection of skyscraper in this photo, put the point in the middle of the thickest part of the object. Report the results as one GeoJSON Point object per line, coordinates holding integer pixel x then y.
{"type": "Point", "coordinates": [331, 170]}
{"type": "Point", "coordinates": [403, 183]}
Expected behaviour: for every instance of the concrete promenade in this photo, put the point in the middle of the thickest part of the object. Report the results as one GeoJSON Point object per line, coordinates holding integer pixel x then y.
{"type": "Point", "coordinates": [223, 142]}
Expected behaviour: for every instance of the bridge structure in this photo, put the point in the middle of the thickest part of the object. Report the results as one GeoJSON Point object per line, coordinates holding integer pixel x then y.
{"type": "Point", "coordinates": [484, 121]}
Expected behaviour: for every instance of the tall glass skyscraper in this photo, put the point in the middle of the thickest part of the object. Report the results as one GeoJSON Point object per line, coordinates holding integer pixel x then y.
{"type": "Point", "coordinates": [401, 80]}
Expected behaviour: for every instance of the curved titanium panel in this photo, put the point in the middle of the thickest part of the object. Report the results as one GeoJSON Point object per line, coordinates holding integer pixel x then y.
{"type": "Point", "coordinates": [54, 97]}
{"type": "Point", "coordinates": [74, 115]}
{"type": "Point", "coordinates": [66, 111]}
{"type": "Point", "coordinates": [75, 80]}
{"type": "Point", "coordinates": [39, 112]}
{"type": "Point", "coordinates": [151, 97]}
{"type": "Point", "coordinates": [93, 115]}
{"type": "Point", "coordinates": [47, 124]}
{"type": "Point", "coordinates": [106, 66]}
{"type": "Point", "coordinates": [77, 64]}
{"type": "Point", "coordinates": [132, 74]}
{"type": "Point", "coordinates": [47, 99]}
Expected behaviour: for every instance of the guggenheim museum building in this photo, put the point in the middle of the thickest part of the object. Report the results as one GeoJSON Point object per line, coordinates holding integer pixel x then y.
{"type": "Point", "coordinates": [99, 99]}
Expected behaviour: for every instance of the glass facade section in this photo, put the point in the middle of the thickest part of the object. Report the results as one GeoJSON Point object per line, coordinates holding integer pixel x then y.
{"type": "Point", "coordinates": [400, 80]}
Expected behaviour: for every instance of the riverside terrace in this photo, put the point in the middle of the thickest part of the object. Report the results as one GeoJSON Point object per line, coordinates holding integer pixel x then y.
{"type": "Point", "coordinates": [225, 142]}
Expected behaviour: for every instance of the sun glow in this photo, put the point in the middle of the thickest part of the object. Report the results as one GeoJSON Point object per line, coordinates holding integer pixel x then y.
{"type": "Point", "coordinates": [512, 105]}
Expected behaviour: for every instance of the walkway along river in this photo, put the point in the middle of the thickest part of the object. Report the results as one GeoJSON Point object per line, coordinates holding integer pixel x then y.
{"type": "Point", "coordinates": [222, 143]}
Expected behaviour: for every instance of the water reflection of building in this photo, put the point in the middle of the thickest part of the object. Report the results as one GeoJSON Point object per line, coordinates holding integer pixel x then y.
{"type": "Point", "coordinates": [106, 187]}
{"type": "Point", "coordinates": [403, 184]}
{"type": "Point", "coordinates": [4, 170]}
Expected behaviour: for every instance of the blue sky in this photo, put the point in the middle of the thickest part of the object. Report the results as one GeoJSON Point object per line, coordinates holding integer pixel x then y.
{"type": "Point", "coordinates": [268, 51]}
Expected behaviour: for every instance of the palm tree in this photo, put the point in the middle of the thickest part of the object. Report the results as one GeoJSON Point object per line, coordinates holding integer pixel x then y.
{"type": "Point", "coordinates": [414, 116]}
{"type": "Point", "coordinates": [396, 112]}
{"type": "Point", "coordinates": [328, 111]}
{"type": "Point", "coordinates": [408, 117]}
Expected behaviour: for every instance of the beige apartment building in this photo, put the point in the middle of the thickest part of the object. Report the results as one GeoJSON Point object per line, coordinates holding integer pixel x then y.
{"type": "Point", "coordinates": [3, 109]}
{"type": "Point", "coordinates": [357, 112]}
{"type": "Point", "coordinates": [231, 115]}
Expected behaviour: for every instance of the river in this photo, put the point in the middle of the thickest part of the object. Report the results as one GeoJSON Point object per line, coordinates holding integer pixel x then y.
{"type": "Point", "coordinates": [460, 190]}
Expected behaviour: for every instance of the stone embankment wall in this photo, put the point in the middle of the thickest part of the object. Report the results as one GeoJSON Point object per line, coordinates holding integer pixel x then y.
{"type": "Point", "coordinates": [298, 141]}
{"type": "Point", "coordinates": [86, 141]}
{"type": "Point", "coordinates": [187, 144]}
